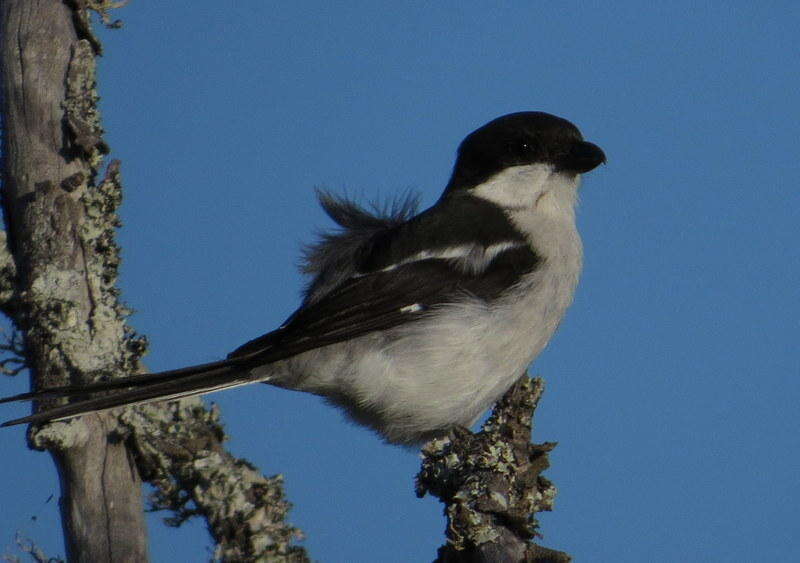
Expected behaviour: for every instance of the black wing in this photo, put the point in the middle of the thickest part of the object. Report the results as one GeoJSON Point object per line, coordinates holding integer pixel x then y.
{"type": "Point", "coordinates": [389, 281]}
{"type": "Point", "coordinates": [385, 299]}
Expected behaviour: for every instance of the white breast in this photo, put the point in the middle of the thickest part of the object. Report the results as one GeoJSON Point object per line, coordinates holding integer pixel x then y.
{"type": "Point", "coordinates": [481, 350]}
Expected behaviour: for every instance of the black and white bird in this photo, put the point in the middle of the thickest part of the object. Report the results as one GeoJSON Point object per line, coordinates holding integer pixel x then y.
{"type": "Point", "coordinates": [415, 323]}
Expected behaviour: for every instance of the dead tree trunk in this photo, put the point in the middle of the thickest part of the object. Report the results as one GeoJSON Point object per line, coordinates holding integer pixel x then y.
{"type": "Point", "coordinates": [64, 301]}
{"type": "Point", "coordinates": [57, 284]}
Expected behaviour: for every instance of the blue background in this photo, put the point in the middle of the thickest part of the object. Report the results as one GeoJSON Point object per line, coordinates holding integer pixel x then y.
{"type": "Point", "coordinates": [672, 385]}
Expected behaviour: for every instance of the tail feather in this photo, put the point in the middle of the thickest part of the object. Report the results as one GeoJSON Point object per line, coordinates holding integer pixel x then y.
{"type": "Point", "coordinates": [139, 389]}
{"type": "Point", "coordinates": [141, 380]}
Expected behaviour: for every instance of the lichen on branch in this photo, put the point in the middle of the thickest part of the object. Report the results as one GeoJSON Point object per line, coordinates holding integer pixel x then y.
{"type": "Point", "coordinates": [491, 483]}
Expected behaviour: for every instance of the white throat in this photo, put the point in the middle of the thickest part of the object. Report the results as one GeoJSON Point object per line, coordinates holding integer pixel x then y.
{"type": "Point", "coordinates": [531, 186]}
{"type": "Point", "coordinates": [541, 204]}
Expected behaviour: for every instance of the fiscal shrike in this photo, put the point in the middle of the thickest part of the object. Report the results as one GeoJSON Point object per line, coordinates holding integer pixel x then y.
{"type": "Point", "coordinates": [414, 323]}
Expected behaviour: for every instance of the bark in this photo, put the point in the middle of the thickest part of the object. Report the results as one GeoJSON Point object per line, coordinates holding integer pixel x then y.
{"type": "Point", "coordinates": [64, 304]}
{"type": "Point", "coordinates": [59, 290]}
{"type": "Point", "coordinates": [491, 484]}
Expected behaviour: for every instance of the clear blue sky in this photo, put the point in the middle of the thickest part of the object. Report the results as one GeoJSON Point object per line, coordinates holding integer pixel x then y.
{"type": "Point", "coordinates": [673, 385]}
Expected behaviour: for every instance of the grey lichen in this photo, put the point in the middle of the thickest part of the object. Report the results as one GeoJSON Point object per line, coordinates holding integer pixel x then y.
{"type": "Point", "coordinates": [81, 16]}
{"type": "Point", "coordinates": [9, 300]}
{"type": "Point", "coordinates": [80, 105]}
{"type": "Point", "coordinates": [12, 352]}
{"type": "Point", "coordinates": [103, 9]}
{"type": "Point", "coordinates": [12, 346]}
{"type": "Point", "coordinates": [30, 549]}
{"type": "Point", "coordinates": [71, 293]}
{"type": "Point", "coordinates": [491, 483]}
{"type": "Point", "coordinates": [60, 436]}
{"type": "Point", "coordinates": [98, 232]}
{"type": "Point", "coordinates": [179, 451]}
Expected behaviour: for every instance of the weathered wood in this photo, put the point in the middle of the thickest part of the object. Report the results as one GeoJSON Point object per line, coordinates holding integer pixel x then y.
{"type": "Point", "coordinates": [65, 302]}
{"type": "Point", "coordinates": [60, 292]}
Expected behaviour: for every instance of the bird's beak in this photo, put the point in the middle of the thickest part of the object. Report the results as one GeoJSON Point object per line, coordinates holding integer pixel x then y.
{"type": "Point", "coordinates": [583, 157]}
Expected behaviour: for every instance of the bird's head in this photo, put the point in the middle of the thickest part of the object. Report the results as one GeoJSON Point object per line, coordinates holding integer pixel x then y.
{"type": "Point", "coordinates": [520, 139]}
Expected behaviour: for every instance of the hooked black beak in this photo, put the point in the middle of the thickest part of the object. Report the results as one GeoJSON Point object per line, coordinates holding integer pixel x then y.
{"type": "Point", "coordinates": [583, 157]}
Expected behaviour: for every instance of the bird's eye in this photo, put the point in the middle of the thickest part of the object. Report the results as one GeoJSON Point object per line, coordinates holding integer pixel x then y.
{"type": "Point", "coordinates": [527, 146]}
{"type": "Point", "coordinates": [527, 149]}
{"type": "Point", "coordinates": [520, 147]}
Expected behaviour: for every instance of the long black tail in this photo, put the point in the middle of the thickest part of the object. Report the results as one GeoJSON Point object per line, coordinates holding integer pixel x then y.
{"type": "Point", "coordinates": [137, 389]}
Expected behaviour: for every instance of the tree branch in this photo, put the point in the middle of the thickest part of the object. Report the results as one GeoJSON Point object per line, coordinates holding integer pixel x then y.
{"type": "Point", "coordinates": [491, 484]}
{"type": "Point", "coordinates": [179, 451]}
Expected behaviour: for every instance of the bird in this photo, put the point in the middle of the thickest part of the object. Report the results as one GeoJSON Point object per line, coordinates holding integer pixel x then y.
{"type": "Point", "coordinates": [413, 322]}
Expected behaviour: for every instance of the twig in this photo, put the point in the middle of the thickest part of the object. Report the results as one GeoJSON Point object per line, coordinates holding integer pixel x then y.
{"type": "Point", "coordinates": [491, 484]}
